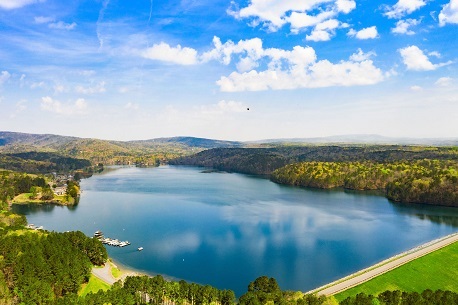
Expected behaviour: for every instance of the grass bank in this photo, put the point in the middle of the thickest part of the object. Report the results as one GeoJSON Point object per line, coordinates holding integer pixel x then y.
{"type": "Point", "coordinates": [94, 285]}
{"type": "Point", "coordinates": [437, 270]}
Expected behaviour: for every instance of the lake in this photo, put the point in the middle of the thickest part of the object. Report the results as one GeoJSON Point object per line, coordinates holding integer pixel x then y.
{"type": "Point", "coordinates": [228, 229]}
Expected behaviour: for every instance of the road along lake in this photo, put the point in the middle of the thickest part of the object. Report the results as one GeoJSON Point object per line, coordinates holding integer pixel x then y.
{"type": "Point", "coordinates": [226, 229]}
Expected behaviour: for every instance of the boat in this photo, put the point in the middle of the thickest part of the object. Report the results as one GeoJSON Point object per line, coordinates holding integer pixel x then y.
{"type": "Point", "coordinates": [140, 248]}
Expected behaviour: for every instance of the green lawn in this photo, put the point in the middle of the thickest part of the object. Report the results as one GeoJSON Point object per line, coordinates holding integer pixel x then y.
{"type": "Point", "coordinates": [94, 285]}
{"type": "Point", "coordinates": [437, 270]}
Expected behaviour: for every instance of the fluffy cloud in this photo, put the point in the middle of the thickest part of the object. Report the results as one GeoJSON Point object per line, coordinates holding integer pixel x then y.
{"type": "Point", "coordinates": [416, 60]}
{"type": "Point", "coordinates": [361, 56]}
{"type": "Point", "coordinates": [4, 76]}
{"type": "Point", "coordinates": [367, 33]}
{"type": "Point", "coordinates": [323, 31]}
{"type": "Point", "coordinates": [60, 25]}
{"type": "Point", "coordinates": [52, 105]}
{"type": "Point", "coordinates": [274, 14]}
{"type": "Point", "coordinates": [403, 7]}
{"type": "Point", "coordinates": [449, 13]}
{"type": "Point", "coordinates": [251, 49]}
{"type": "Point", "coordinates": [259, 68]}
{"type": "Point", "coordinates": [176, 55]}
{"type": "Point", "coordinates": [305, 73]}
{"type": "Point", "coordinates": [13, 4]}
{"type": "Point", "coordinates": [403, 26]}
{"type": "Point", "coordinates": [444, 82]}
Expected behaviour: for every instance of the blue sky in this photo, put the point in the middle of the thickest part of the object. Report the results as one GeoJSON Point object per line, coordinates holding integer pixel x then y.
{"type": "Point", "coordinates": [143, 69]}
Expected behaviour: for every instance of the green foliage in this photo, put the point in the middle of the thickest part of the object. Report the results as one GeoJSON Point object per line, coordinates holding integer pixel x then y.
{"type": "Point", "coordinates": [397, 297]}
{"type": "Point", "coordinates": [40, 268]}
{"type": "Point", "coordinates": [263, 161]}
{"type": "Point", "coordinates": [13, 184]}
{"type": "Point", "coordinates": [93, 286]}
{"type": "Point", "coordinates": [40, 162]}
{"type": "Point", "coordinates": [420, 181]}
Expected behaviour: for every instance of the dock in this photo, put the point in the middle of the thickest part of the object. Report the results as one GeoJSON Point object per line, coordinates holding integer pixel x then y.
{"type": "Point", "coordinates": [110, 241]}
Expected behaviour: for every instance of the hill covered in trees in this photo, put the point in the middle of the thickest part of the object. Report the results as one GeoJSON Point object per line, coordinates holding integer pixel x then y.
{"type": "Point", "coordinates": [419, 181]}
{"type": "Point", "coordinates": [263, 161]}
{"type": "Point", "coordinates": [145, 152]}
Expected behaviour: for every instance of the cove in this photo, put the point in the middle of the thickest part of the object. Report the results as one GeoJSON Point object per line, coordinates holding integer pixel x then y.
{"type": "Point", "coordinates": [226, 230]}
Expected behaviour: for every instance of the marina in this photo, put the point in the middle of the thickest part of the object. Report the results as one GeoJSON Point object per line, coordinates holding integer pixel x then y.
{"type": "Point", "coordinates": [109, 241]}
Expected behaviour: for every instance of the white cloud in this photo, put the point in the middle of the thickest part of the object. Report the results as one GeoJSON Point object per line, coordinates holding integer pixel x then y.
{"type": "Point", "coordinates": [274, 14]}
{"type": "Point", "coordinates": [305, 75]}
{"type": "Point", "coordinates": [323, 31]}
{"type": "Point", "coordinates": [13, 4]}
{"type": "Point", "coordinates": [176, 55]}
{"type": "Point", "coordinates": [42, 19]}
{"type": "Point", "coordinates": [60, 25]}
{"type": "Point", "coordinates": [416, 88]}
{"type": "Point", "coordinates": [367, 33]}
{"type": "Point", "coordinates": [449, 13]}
{"type": "Point", "coordinates": [403, 26]}
{"type": "Point", "coordinates": [251, 48]}
{"type": "Point", "coordinates": [304, 20]}
{"type": "Point", "coordinates": [4, 76]}
{"type": "Point", "coordinates": [416, 60]}
{"type": "Point", "coordinates": [99, 88]}
{"type": "Point", "coordinates": [345, 6]}
{"type": "Point", "coordinates": [52, 105]}
{"type": "Point", "coordinates": [361, 56]}
{"type": "Point", "coordinates": [404, 7]}
{"type": "Point", "coordinates": [444, 82]}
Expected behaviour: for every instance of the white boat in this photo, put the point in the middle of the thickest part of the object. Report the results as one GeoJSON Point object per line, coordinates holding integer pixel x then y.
{"type": "Point", "coordinates": [140, 249]}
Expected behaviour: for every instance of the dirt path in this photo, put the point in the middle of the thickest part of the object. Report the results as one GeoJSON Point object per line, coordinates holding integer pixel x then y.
{"type": "Point", "coordinates": [385, 266]}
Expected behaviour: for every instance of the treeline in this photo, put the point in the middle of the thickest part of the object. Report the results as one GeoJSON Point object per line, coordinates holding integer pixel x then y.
{"type": "Point", "coordinates": [43, 267]}
{"type": "Point", "coordinates": [427, 297]}
{"type": "Point", "coordinates": [13, 184]}
{"type": "Point", "coordinates": [420, 181]}
{"type": "Point", "coordinates": [263, 161]}
{"type": "Point", "coordinates": [40, 162]}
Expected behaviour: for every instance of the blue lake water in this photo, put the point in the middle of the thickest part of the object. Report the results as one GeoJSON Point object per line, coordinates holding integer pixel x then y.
{"type": "Point", "coordinates": [227, 229]}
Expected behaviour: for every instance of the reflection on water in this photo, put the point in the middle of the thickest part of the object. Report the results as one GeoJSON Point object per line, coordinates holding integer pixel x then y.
{"type": "Point", "coordinates": [228, 229]}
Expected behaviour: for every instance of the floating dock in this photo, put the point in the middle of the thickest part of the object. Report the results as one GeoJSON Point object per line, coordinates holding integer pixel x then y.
{"type": "Point", "coordinates": [109, 241]}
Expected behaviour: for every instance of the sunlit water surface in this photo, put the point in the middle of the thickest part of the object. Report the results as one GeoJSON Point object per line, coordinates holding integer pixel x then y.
{"type": "Point", "coordinates": [227, 229]}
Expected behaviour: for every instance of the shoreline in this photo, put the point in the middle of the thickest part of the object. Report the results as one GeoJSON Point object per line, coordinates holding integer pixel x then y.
{"type": "Point", "coordinates": [384, 266]}
{"type": "Point", "coordinates": [125, 271]}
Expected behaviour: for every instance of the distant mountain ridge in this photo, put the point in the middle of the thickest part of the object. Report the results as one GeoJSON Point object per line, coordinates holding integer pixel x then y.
{"type": "Point", "coordinates": [51, 140]}
{"type": "Point", "coordinates": [367, 139]}
{"type": "Point", "coordinates": [18, 138]}
{"type": "Point", "coordinates": [144, 152]}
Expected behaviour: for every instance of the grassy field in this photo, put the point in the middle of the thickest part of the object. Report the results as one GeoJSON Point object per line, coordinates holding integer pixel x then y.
{"type": "Point", "coordinates": [437, 270]}
{"type": "Point", "coordinates": [94, 285]}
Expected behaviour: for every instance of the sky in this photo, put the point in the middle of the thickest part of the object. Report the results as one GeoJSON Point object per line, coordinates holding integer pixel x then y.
{"type": "Point", "coordinates": [233, 70]}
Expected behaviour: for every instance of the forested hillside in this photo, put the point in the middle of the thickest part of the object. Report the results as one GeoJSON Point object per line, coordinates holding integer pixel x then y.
{"type": "Point", "coordinates": [42, 267]}
{"type": "Point", "coordinates": [263, 161]}
{"type": "Point", "coordinates": [420, 181]}
{"type": "Point", "coordinates": [146, 152]}
{"type": "Point", "coordinates": [40, 162]}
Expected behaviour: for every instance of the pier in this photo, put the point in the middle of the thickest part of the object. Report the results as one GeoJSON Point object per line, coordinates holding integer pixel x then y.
{"type": "Point", "coordinates": [109, 241]}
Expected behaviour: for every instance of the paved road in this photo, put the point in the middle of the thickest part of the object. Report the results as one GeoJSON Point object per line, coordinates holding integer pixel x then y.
{"type": "Point", "coordinates": [390, 265]}
{"type": "Point", "coordinates": [104, 274]}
